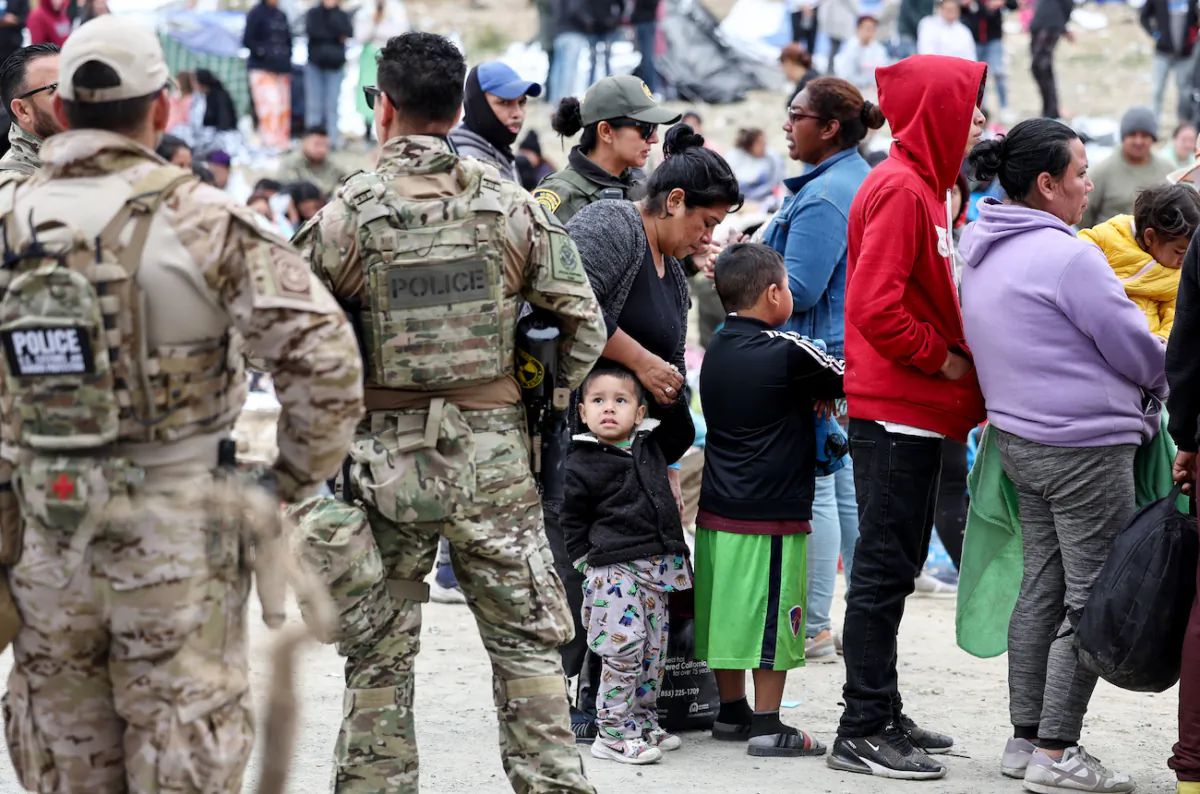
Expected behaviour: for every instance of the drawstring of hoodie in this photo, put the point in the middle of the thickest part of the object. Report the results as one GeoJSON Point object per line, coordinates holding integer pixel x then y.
{"type": "Point", "coordinates": [956, 260]}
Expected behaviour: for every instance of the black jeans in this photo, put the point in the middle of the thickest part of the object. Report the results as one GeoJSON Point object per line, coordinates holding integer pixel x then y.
{"type": "Point", "coordinates": [896, 482]}
{"type": "Point", "coordinates": [804, 31]}
{"type": "Point", "coordinates": [951, 516]}
{"type": "Point", "coordinates": [1042, 50]}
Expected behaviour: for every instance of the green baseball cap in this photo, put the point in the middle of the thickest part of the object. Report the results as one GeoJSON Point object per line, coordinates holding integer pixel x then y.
{"type": "Point", "coordinates": [623, 96]}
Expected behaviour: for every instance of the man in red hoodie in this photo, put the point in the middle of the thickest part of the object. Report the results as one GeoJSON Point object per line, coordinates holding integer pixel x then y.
{"type": "Point", "coordinates": [909, 383]}
{"type": "Point", "coordinates": [49, 23]}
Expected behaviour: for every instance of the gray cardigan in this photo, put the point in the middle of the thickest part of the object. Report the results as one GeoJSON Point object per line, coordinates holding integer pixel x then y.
{"type": "Point", "coordinates": [612, 244]}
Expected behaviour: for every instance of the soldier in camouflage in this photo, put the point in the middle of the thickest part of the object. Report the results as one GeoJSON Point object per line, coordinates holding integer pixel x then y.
{"type": "Point", "coordinates": [435, 254]}
{"type": "Point", "coordinates": [130, 668]}
{"type": "Point", "coordinates": [28, 81]}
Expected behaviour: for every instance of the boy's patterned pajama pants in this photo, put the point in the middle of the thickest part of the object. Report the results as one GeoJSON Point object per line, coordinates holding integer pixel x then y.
{"type": "Point", "coordinates": [627, 628]}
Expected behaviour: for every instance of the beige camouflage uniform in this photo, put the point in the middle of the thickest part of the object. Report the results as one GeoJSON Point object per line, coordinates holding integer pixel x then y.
{"type": "Point", "coordinates": [130, 669]}
{"type": "Point", "coordinates": [452, 462]}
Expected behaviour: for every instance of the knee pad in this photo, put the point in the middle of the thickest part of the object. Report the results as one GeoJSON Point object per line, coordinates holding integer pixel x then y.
{"type": "Point", "coordinates": [336, 541]}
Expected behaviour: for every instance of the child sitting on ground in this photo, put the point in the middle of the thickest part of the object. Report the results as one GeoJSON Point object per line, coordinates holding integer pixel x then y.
{"type": "Point", "coordinates": [623, 531]}
{"type": "Point", "coordinates": [759, 387]}
{"type": "Point", "coordinates": [1146, 249]}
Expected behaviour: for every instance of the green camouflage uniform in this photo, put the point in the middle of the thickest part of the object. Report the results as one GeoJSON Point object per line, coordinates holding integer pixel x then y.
{"type": "Point", "coordinates": [453, 464]}
{"type": "Point", "coordinates": [130, 667]}
{"type": "Point", "coordinates": [295, 167]}
{"type": "Point", "coordinates": [22, 156]}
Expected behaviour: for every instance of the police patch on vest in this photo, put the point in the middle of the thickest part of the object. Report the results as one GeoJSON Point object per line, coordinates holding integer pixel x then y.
{"type": "Point", "coordinates": [564, 260]}
{"type": "Point", "coordinates": [413, 287]}
{"type": "Point", "coordinates": [48, 351]}
{"type": "Point", "coordinates": [548, 199]}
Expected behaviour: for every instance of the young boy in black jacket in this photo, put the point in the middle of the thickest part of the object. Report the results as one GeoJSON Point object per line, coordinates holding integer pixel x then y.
{"type": "Point", "coordinates": [623, 531]}
{"type": "Point", "coordinates": [759, 388]}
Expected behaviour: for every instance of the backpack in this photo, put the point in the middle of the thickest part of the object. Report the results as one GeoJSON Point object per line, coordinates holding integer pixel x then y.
{"type": "Point", "coordinates": [1130, 633]}
{"type": "Point", "coordinates": [435, 314]}
{"type": "Point", "coordinates": [71, 319]}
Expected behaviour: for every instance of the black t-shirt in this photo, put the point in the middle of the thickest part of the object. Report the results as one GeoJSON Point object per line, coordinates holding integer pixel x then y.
{"type": "Point", "coordinates": [652, 314]}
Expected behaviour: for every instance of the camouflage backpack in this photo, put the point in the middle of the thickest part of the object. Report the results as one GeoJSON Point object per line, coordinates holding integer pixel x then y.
{"type": "Point", "coordinates": [71, 324]}
{"type": "Point", "coordinates": [434, 315]}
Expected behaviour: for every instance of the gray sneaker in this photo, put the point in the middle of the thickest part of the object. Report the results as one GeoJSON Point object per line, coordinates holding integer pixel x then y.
{"type": "Point", "coordinates": [1075, 771]}
{"type": "Point", "coordinates": [1017, 753]}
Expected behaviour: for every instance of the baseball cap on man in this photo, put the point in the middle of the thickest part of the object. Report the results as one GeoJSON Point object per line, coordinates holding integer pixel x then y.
{"type": "Point", "coordinates": [501, 80]}
{"type": "Point", "coordinates": [125, 46]}
{"type": "Point", "coordinates": [623, 97]}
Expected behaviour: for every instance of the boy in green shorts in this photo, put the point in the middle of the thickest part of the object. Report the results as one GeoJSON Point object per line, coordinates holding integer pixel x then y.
{"type": "Point", "coordinates": [759, 387]}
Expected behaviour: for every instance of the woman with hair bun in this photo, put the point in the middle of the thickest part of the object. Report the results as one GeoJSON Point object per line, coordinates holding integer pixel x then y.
{"type": "Point", "coordinates": [1072, 378]}
{"type": "Point", "coordinates": [826, 122]}
{"type": "Point", "coordinates": [631, 252]}
{"type": "Point", "coordinates": [619, 120]}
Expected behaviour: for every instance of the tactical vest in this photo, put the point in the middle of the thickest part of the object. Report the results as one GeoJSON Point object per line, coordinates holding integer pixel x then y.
{"type": "Point", "coordinates": [435, 315]}
{"type": "Point", "coordinates": [77, 364]}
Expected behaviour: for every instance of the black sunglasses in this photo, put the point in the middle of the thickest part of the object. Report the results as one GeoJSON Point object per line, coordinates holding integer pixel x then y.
{"type": "Point", "coordinates": [51, 87]}
{"type": "Point", "coordinates": [370, 93]}
{"type": "Point", "coordinates": [645, 128]}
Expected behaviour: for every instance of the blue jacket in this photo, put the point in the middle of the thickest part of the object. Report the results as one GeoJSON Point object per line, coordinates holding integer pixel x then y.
{"type": "Point", "coordinates": [810, 233]}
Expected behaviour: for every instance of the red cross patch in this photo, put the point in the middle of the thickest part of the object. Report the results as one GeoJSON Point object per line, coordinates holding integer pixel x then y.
{"type": "Point", "coordinates": [63, 487]}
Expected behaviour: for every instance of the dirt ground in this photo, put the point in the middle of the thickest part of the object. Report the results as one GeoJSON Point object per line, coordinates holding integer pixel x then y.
{"type": "Point", "coordinates": [944, 688]}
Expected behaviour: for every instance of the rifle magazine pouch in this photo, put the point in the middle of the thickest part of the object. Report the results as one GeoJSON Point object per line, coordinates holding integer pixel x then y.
{"type": "Point", "coordinates": [416, 466]}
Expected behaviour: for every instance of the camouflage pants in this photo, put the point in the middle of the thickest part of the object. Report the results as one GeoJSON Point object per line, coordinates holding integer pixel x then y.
{"type": "Point", "coordinates": [475, 489]}
{"type": "Point", "coordinates": [130, 668]}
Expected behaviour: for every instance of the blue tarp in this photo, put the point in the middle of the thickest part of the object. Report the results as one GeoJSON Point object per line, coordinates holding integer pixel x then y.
{"type": "Point", "coordinates": [217, 33]}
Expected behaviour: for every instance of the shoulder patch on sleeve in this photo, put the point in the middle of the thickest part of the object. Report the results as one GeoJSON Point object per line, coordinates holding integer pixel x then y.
{"type": "Point", "coordinates": [564, 259]}
{"type": "Point", "coordinates": [548, 199]}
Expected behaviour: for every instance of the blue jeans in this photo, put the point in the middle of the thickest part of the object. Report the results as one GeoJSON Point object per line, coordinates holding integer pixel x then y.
{"type": "Point", "coordinates": [834, 532]}
{"type": "Point", "coordinates": [992, 53]}
{"type": "Point", "coordinates": [322, 87]}
{"type": "Point", "coordinates": [568, 49]}
{"type": "Point", "coordinates": [647, 39]}
{"type": "Point", "coordinates": [1163, 66]}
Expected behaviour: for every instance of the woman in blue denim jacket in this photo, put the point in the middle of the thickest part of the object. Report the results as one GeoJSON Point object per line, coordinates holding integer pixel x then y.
{"type": "Point", "coordinates": [826, 123]}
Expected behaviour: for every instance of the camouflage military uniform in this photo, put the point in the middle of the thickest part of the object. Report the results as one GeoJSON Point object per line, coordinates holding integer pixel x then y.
{"type": "Point", "coordinates": [130, 669]}
{"type": "Point", "coordinates": [22, 156]}
{"type": "Point", "coordinates": [447, 461]}
{"type": "Point", "coordinates": [295, 167]}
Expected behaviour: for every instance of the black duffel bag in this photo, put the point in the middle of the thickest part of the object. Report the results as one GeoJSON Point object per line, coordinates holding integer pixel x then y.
{"type": "Point", "coordinates": [1131, 631]}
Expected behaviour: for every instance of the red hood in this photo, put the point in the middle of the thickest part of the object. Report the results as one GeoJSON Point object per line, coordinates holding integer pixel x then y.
{"type": "Point", "coordinates": [928, 101]}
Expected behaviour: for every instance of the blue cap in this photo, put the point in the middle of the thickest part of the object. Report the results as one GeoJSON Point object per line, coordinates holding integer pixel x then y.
{"type": "Point", "coordinates": [503, 81]}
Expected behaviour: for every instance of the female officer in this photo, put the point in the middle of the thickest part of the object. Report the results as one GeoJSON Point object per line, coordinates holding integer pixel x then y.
{"type": "Point", "coordinates": [619, 119]}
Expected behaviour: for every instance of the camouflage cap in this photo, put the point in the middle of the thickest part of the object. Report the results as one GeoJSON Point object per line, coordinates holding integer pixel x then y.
{"type": "Point", "coordinates": [620, 97]}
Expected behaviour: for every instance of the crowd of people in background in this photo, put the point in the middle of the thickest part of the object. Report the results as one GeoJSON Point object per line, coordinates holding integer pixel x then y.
{"type": "Point", "coordinates": [856, 290]}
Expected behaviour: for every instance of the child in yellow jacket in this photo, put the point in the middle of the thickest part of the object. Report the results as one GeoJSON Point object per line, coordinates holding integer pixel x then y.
{"type": "Point", "coordinates": [1146, 249]}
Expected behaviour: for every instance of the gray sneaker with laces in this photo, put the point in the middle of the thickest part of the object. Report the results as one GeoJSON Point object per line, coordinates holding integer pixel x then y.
{"type": "Point", "coordinates": [1015, 761]}
{"type": "Point", "coordinates": [1075, 771]}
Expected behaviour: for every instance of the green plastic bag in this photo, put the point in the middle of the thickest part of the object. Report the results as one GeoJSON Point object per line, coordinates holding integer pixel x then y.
{"type": "Point", "coordinates": [989, 579]}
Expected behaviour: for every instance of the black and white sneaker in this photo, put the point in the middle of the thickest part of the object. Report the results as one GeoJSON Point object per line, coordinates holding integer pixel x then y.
{"type": "Point", "coordinates": [931, 742]}
{"type": "Point", "coordinates": [887, 754]}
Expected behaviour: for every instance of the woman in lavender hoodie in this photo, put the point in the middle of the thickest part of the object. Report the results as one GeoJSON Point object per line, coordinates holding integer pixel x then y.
{"type": "Point", "coordinates": [1072, 378]}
